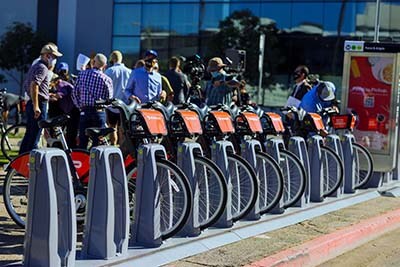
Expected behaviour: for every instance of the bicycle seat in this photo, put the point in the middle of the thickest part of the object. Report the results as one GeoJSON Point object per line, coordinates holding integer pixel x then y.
{"type": "Point", "coordinates": [167, 111]}
{"type": "Point", "coordinates": [54, 122]}
{"type": "Point", "coordinates": [127, 109]}
{"type": "Point", "coordinates": [96, 133]}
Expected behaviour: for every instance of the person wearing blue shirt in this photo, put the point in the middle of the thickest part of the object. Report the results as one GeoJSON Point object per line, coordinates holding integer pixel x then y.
{"type": "Point", "coordinates": [119, 75]}
{"type": "Point", "coordinates": [319, 97]}
{"type": "Point", "coordinates": [145, 84]}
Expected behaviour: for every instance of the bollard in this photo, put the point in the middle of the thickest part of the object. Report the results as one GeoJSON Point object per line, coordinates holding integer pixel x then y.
{"type": "Point", "coordinates": [314, 153]}
{"type": "Point", "coordinates": [146, 227]}
{"type": "Point", "coordinates": [106, 232]}
{"type": "Point", "coordinates": [248, 151]}
{"type": "Point", "coordinates": [349, 165]}
{"type": "Point", "coordinates": [272, 148]}
{"type": "Point", "coordinates": [297, 145]}
{"type": "Point", "coordinates": [185, 160]}
{"type": "Point", "coordinates": [50, 237]}
{"type": "Point", "coordinates": [220, 157]}
{"type": "Point", "coordinates": [333, 141]}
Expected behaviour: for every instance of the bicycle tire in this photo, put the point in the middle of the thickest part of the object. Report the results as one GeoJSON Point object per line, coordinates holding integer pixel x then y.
{"type": "Point", "coordinates": [20, 192]}
{"type": "Point", "coordinates": [213, 191]}
{"type": "Point", "coordinates": [294, 177]}
{"type": "Point", "coordinates": [331, 164]}
{"type": "Point", "coordinates": [364, 165]}
{"type": "Point", "coordinates": [9, 148]}
{"type": "Point", "coordinates": [244, 186]}
{"type": "Point", "coordinates": [180, 180]}
{"type": "Point", "coordinates": [271, 181]}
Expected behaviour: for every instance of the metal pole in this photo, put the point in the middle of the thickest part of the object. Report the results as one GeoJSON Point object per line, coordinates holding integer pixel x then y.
{"type": "Point", "coordinates": [260, 66]}
{"type": "Point", "coordinates": [377, 21]}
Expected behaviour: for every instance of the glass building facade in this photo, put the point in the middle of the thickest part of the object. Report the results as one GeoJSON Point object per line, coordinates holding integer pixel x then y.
{"type": "Point", "coordinates": [309, 30]}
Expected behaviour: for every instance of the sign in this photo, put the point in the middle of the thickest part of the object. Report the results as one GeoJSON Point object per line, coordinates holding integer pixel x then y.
{"type": "Point", "coordinates": [370, 97]}
{"type": "Point", "coordinates": [361, 46]}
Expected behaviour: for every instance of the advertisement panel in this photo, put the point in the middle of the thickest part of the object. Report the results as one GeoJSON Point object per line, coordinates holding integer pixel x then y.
{"type": "Point", "coordinates": [370, 97]}
{"type": "Point", "coordinates": [370, 89]}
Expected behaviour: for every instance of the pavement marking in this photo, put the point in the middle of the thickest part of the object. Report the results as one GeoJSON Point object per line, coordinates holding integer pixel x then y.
{"type": "Point", "coordinates": [326, 247]}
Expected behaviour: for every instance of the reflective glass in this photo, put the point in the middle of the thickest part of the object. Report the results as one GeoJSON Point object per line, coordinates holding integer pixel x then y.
{"type": "Point", "coordinates": [126, 19]}
{"type": "Point", "coordinates": [307, 17]}
{"type": "Point", "coordinates": [212, 15]}
{"type": "Point", "coordinates": [184, 19]}
{"type": "Point", "coordinates": [155, 18]}
{"type": "Point", "coordinates": [127, 45]}
{"type": "Point", "coordinates": [254, 8]}
{"type": "Point", "coordinates": [278, 12]}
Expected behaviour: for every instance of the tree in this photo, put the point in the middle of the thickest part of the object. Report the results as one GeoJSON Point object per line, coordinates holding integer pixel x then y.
{"type": "Point", "coordinates": [241, 30]}
{"type": "Point", "coordinates": [19, 46]}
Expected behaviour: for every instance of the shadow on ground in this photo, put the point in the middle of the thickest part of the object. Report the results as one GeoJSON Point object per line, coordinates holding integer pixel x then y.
{"type": "Point", "coordinates": [11, 241]}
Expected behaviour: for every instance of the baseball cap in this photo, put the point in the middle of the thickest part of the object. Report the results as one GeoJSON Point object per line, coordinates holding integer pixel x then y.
{"type": "Point", "coordinates": [63, 66]}
{"type": "Point", "coordinates": [50, 49]}
{"type": "Point", "coordinates": [151, 53]}
{"type": "Point", "coordinates": [326, 91]}
{"type": "Point", "coordinates": [215, 64]}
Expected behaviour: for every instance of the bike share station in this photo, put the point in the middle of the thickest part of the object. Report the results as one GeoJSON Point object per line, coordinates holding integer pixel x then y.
{"type": "Point", "coordinates": [370, 89]}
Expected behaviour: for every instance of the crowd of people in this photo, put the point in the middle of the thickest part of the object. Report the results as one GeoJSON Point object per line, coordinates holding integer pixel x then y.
{"type": "Point", "coordinates": [52, 90]}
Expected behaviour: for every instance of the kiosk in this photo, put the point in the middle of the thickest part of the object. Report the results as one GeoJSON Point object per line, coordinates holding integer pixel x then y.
{"type": "Point", "coordinates": [370, 89]}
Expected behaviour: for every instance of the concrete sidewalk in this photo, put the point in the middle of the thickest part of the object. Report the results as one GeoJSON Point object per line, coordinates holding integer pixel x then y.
{"type": "Point", "coordinates": [355, 225]}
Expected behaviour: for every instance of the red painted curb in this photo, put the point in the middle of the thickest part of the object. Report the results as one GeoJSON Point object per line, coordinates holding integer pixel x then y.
{"type": "Point", "coordinates": [328, 246]}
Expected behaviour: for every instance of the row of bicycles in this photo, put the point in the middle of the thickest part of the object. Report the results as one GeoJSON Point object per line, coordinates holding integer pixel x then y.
{"type": "Point", "coordinates": [236, 171]}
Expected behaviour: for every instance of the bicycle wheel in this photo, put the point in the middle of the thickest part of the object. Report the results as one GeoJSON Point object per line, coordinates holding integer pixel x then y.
{"type": "Point", "coordinates": [271, 181]}
{"type": "Point", "coordinates": [294, 177]}
{"type": "Point", "coordinates": [244, 186]}
{"type": "Point", "coordinates": [332, 170]}
{"type": "Point", "coordinates": [175, 196]}
{"type": "Point", "coordinates": [363, 164]}
{"type": "Point", "coordinates": [11, 140]}
{"type": "Point", "coordinates": [15, 196]}
{"type": "Point", "coordinates": [213, 191]}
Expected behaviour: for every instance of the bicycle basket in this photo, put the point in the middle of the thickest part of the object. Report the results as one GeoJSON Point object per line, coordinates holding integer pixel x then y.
{"type": "Point", "coordinates": [344, 121]}
{"type": "Point", "coordinates": [147, 122]}
{"type": "Point", "coordinates": [248, 123]}
{"type": "Point", "coordinates": [185, 122]}
{"type": "Point", "coordinates": [272, 123]}
{"type": "Point", "coordinates": [218, 122]}
{"type": "Point", "coordinates": [313, 122]}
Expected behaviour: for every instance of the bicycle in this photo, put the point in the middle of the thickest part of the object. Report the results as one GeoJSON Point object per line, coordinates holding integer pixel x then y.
{"type": "Point", "coordinates": [11, 136]}
{"type": "Point", "coordinates": [184, 126]}
{"type": "Point", "coordinates": [18, 172]}
{"type": "Point", "coordinates": [271, 179]}
{"type": "Point", "coordinates": [217, 125]}
{"type": "Point", "coordinates": [343, 124]}
{"type": "Point", "coordinates": [305, 124]}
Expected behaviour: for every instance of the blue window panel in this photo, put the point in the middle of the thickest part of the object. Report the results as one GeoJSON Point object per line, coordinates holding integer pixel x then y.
{"type": "Point", "coordinates": [127, 45]}
{"type": "Point", "coordinates": [126, 19]}
{"type": "Point", "coordinates": [184, 19]}
{"type": "Point", "coordinates": [155, 18]}
{"type": "Point", "coordinates": [332, 16]}
{"type": "Point", "coordinates": [278, 12]}
{"type": "Point", "coordinates": [127, 1]}
{"type": "Point", "coordinates": [253, 7]}
{"type": "Point", "coordinates": [305, 15]}
{"type": "Point", "coordinates": [212, 15]}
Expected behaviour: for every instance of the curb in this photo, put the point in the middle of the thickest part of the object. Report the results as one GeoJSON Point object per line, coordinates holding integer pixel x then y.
{"type": "Point", "coordinates": [326, 247]}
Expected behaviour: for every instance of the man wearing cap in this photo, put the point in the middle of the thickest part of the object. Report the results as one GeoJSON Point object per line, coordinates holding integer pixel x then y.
{"type": "Point", "coordinates": [319, 97]}
{"type": "Point", "coordinates": [218, 91]}
{"type": "Point", "coordinates": [63, 71]}
{"type": "Point", "coordinates": [36, 86]}
{"type": "Point", "coordinates": [145, 84]}
{"type": "Point", "coordinates": [119, 75]}
{"type": "Point", "coordinates": [92, 85]}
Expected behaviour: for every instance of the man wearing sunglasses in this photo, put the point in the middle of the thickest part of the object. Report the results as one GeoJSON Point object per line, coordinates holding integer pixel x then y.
{"type": "Point", "coordinates": [145, 84]}
{"type": "Point", "coordinates": [301, 86]}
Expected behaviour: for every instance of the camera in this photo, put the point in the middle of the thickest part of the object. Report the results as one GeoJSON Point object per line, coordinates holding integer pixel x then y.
{"type": "Point", "coordinates": [194, 67]}
{"type": "Point", "coordinates": [236, 60]}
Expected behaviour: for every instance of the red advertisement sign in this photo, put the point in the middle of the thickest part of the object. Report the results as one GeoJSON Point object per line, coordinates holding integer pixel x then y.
{"type": "Point", "coordinates": [370, 92]}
